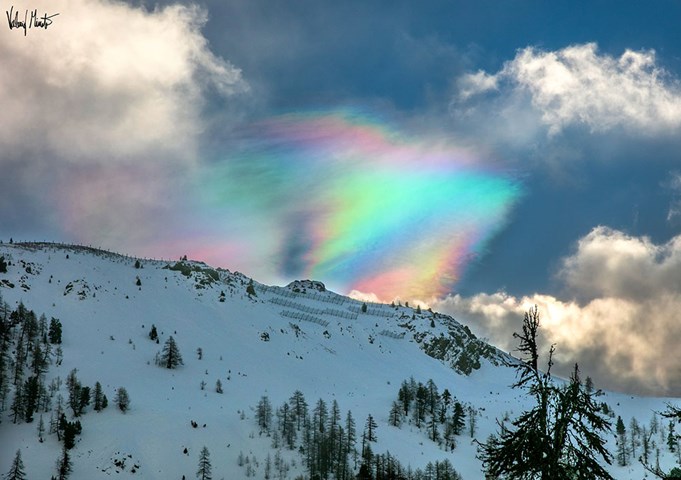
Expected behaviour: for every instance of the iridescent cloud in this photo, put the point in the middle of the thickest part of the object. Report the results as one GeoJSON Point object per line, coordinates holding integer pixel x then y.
{"type": "Point", "coordinates": [344, 197]}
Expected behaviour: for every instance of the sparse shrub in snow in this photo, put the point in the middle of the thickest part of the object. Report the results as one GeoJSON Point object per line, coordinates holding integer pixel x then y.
{"type": "Point", "coordinates": [153, 334]}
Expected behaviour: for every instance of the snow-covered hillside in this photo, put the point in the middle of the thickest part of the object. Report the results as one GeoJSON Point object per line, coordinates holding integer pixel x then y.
{"type": "Point", "coordinates": [279, 340]}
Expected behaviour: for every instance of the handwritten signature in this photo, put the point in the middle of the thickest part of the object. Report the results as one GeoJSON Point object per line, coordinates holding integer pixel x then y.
{"type": "Point", "coordinates": [34, 21]}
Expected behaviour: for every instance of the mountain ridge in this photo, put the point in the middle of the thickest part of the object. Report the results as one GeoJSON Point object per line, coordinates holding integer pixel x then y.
{"type": "Point", "coordinates": [269, 343]}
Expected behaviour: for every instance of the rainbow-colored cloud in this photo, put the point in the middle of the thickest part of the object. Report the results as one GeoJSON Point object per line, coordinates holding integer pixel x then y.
{"type": "Point", "coordinates": [343, 197]}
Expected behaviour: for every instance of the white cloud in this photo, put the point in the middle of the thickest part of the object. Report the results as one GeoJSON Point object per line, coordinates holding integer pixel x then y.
{"type": "Point", "coordinates": [578, 86]}
{"type": "Point", "coordinates": [107, 81]}
{"type": "Point", "coordinates": [476, 83]}
{"type": "Point", "coordinates": [103, 112]}
{"type": "Point", "coordinates": [623, 323]}
{"type": "Point", "coordinates": [609, 263]}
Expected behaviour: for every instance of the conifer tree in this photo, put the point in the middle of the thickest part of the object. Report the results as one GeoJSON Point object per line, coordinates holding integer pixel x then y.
{"type": "Point", "coordinates": [634, 434]}
{"type": "Point", "coordinates": [395, 417]}
{"type": "Point", "coordinates": [170, 355]}
{"type": "Point", "coordinates": [41, 429]}
{"type": "Point", "coordinates": [74, 388]}
{"type": "Point", "coordinates": [287, 425]}
{"type": "Point", "coordinates": [64, 465]}
{"type": "Point", "coordinates": [472, 421]}
{"type": "Point", "coordinates": [405, 396]}
{"type": "Point", "coordinates": [16, 471]}
{"type": "Point", "coordinates": [263, 414]}
{"type": "Point", "coordinates": [204, 471]}
{"type": "Point", "coordinates": [560, 436]}
{"type": "Point", "coordinates": [31, 391]}
{"type": "Point", "coordinates": [671, 438]}
{"type": "Point", "coordinates": [98, 397]}
{"type": "Point", "coordinates": [458, 418]}
{"type": "Point", "coordinates": [299, 408]}
{"type": "Point", "coordinates": [621, 442]}
{"type": "Point", "coordinates": [69, 431]}
{"type": "Point", "coordinates": [351, 436]}
{"type": "Point", "coordinates": [370, 429]}
{"type": "Point", "coordinates": [55, 331]}
{"type": "Point", "coordinates": [17, 407]}
{"type": "Point", "coordinates": [122, 399]}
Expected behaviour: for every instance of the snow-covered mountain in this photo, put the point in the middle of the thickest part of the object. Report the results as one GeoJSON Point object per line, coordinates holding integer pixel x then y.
{"type": "Point", "coordinates": [258, 341]}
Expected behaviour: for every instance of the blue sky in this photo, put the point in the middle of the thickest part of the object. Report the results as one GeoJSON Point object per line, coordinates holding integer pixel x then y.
{"type": "Point", "coordinates": [406, 57]}
{"type": "Point", "coordinates": [148, 129]}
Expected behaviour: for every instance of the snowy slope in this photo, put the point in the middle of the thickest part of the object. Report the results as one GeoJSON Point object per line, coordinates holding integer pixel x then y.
{"type": "Point", "coordinates": [284, 339]}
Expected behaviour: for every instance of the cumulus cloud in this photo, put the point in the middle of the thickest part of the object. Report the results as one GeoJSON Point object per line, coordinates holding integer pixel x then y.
{"type": "Point", "coordinates": [578, 86]}
{"type": "Point", "coordinates": [106, 78]}
{"type": "Point", "coordinates": [103, 107]}
{"type": "Point", "coordinates": [622, 319]}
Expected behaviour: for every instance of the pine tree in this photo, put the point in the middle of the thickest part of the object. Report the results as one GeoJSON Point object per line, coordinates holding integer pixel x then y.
{"type": "Point", "coordinates": [31, 391]}
{"type": "Point", "coordinates": [634, 434]}
{"type": "Point", "coordinates": [55, 331]}
{"type": "Point", "coordinates": [98, 397]}
{"type": "Point", "coordinates": [170, 355]}
{"type": "Point", "coordinates": [41, 429]}
{"type": "Point", "coordinates": [74, 388]}
{"type": "Point", "coordinates": [395, 417]}
{"type": "Point", "coordinates": [560, 436]}
{"type": "Point", "coordinates": [17, 407]}
{"type": "Point", "coordinates": [287, 425]}
{"type": "Point", "coordinates": [370, 429]}
{"type": "Point", "coordinates": [645, 443]}
{"type": "Point", "coordinates": [472, 421]}
{"type": "Point", "coordinates": [351, 436]}
{"type": "Point", "coordinates": [671, 438]}
{"type": "Point", "coordinates": [433, 399]}
{"type": "Point", "coordinates": [621, 442]}
{"type": "Point", "coordinates": [16, 471]}
{"type": "Point", "coordinates": [263, 414]}
{"type": "Point", "coordinates": [458, 418]}
{"type": "Point", "coordinates": [299, 408]}
{"type": "Point", "coordinates": [433, 432]}
{"type": "Point", "coordinates": [405, 397]}
{"type": "Point", "coordinates": [69, 430]}
{"type": "Point", "coordinates": [122, 399]}
{"type": "Point", "coordinates": [204, 471]}
{"type": "Point", "coordinates": [64, 465]}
